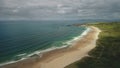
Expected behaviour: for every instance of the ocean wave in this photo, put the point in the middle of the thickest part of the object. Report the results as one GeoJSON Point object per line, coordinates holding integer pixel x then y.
{"type": "Point", "coordinates": [41, 52]}
{"type": "Point", "coordinates": [73, 41]}
{"type": "Point", "coordinates": [21, 54]}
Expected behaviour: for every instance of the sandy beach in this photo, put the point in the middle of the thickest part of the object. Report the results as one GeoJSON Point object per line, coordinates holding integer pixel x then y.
{"type": "Point", "coordinates": [61, 57]}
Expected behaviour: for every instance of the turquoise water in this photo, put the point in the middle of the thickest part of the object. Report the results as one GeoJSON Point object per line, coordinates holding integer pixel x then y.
{"type": "Point", "coordinates": [19, 39]}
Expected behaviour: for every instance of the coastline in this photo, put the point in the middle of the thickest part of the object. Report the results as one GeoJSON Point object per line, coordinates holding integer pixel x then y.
{"type": "Point", "coordinates": [107, 52]}
{"type": "Point", "coordinates": [61, 57]}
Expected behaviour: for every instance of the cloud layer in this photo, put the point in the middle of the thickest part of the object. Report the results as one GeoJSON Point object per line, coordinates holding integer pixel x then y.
{"type": "Point", "coordinates": [59, 9]}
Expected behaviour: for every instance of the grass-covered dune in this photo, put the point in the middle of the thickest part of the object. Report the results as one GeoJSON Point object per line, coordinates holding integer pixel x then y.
{"type": "Point", "coordinates": [107, 52]}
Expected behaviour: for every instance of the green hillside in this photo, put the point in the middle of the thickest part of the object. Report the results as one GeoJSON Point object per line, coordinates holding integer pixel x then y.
{"type": "Point", "coordinates": [107, 52]}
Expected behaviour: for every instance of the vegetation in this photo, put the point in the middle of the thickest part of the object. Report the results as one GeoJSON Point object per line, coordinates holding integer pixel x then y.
{"type": "Point", "coordinates": [107, 52]}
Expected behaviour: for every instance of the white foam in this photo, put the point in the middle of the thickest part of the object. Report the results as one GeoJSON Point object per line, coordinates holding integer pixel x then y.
{"type": "Point", "coordinates": [10, 62]}
{"type": "Point", "coordinates": [73, 41]}
{"type": "Point", "coordinates": [40, 52]}
{"type": "Point", "coordinates": [22, 54]}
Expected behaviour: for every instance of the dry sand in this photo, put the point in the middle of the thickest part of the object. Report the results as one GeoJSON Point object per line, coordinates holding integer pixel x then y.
{"type": "Point", "coordinates": [61, 57]}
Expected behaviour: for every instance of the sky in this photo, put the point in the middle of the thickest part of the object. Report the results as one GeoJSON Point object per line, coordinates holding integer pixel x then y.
{"type": "Point", "coordinates": [59, 9]}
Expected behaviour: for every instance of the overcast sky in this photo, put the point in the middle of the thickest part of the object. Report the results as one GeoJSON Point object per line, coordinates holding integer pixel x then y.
{"type": "Point", "coordinates": [59, 9]}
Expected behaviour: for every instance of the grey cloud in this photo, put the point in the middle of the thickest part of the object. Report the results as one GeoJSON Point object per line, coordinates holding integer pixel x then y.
{"type": "Point", "coordinates": [60, 9]}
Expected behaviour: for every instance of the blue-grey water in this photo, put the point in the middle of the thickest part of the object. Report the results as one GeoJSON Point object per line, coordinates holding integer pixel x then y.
{"type": "Point", "coordinates": [21, 38]}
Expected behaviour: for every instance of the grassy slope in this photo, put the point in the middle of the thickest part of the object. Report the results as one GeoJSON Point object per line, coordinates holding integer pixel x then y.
{"type": "Point", "coordinates": [107, 52]}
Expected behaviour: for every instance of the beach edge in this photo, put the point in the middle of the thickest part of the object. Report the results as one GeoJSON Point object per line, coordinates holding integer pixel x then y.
{"type": "Point", "coordinates": [59, 57]}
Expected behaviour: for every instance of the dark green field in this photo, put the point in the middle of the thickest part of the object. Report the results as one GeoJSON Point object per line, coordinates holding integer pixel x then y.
{"type": "Point", "coordinates": [107, 52]}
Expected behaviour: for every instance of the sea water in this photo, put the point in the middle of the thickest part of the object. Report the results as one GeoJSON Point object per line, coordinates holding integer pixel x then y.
{"type": "Point", "coordinates": [22, 39]}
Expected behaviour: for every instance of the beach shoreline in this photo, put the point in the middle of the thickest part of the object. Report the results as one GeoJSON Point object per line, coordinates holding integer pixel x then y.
{"type": "Point", "coordinates": [60, 58]}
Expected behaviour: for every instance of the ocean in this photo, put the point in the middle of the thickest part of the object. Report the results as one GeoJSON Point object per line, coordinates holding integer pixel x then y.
{"type": "Point", "coordinates": [23, 39]}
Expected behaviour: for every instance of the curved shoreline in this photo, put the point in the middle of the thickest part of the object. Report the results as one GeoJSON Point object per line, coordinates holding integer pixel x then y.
{"type": "Point", "coordinates": [66, 44]}
{"type": "Point", "coordinates": [61, 57]}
